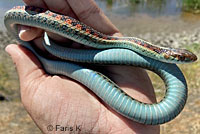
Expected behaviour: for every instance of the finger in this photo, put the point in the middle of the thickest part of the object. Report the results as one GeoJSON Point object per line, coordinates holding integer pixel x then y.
{"type": "Point", "coordinates": [60, 6]}
{"type": "Point", "coordinates": [89, 13]}
{"type": "Point", "coordinates": [38, 3]}
{"type": "Point", "coordinates": [28, 67]}
{"type": "Point", "coordinates": [27, 33]}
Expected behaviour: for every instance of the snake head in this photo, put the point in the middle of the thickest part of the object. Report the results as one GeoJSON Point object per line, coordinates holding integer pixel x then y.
{"type": "Point", "coordinates": [180, 55]}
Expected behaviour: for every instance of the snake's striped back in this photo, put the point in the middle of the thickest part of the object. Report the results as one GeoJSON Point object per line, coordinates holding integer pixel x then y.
{"type": "Point", "coordinates": [81, 33]}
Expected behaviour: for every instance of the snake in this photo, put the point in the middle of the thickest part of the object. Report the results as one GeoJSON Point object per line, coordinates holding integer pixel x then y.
{"type": "Point", "coordinates": [106, 50]}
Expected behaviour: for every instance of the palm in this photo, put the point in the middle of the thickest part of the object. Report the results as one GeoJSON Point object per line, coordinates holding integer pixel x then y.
{"type": "Point", "coordinates": [57, 100]}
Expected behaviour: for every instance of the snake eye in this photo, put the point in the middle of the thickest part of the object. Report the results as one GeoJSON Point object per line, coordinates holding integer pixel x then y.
{"type": "Point", "coordinates": [182, 58]}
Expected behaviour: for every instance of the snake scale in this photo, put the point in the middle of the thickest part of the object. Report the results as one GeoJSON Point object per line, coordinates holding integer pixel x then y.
{"type": "Point", "coordinates": [107, 50]}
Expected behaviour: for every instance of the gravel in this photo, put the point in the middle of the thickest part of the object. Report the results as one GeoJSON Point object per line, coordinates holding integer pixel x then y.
{"type": "Point", "coordinates": [172, 39]}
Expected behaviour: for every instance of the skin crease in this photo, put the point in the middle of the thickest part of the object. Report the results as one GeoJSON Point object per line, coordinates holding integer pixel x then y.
{"type": "Point", "coordinates": [57, 100]}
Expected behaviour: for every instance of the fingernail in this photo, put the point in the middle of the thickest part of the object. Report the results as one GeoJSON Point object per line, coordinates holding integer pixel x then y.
{"type": "Point", "coordinates": [12, 50]}
{"type": "Point", "coordinates": [22, 31]}
{"type": "Point", "coordinates": [9, 50]}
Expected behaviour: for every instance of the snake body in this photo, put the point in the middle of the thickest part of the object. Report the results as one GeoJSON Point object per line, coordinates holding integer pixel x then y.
{"type": "Point", "coordinates": [108, 50]}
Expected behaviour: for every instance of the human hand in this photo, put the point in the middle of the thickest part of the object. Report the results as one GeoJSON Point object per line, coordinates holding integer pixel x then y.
{"type": "Point", "coordinates": [57, 100]}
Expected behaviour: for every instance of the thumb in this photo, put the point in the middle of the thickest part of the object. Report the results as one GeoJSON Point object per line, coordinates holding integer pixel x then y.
{"type": "Point", "coordinates": [28, 67]}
